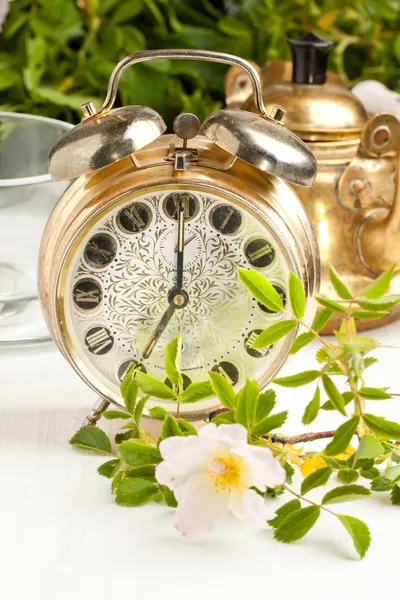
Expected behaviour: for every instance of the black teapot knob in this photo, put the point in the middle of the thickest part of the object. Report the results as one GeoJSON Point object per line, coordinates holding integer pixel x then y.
{"type": "Point", "coordinates": [310, 57]}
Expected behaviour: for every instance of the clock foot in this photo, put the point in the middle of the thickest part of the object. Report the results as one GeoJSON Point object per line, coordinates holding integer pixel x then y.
{"type": "Point", "coordinates": [96, 412]}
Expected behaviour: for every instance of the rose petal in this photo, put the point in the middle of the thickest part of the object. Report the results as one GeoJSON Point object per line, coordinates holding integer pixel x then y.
{"type": "Point", "coordinates": [246, 504]}
{"type": "Point", "coordinates": [200, 505]}
{"type": "Point", "coordinates": [233, 435]}
{"type": "Point", "coordinates": [264, 469]}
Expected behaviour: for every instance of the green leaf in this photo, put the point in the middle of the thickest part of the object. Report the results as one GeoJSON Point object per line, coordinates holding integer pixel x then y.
{"type": "Point", "coordinates": [284, 511]}
{"type": "Point", "coordinates": [139, 409]}
{"type": "Point", "coordinates": [312, 408]}
{"type": "Point", "coordinates": [319, 477]}
{"type": "Point", "coordinates": [364, 344]}
{"type": "Point", "coordinates": [348, 397]}
{"type": "Point", "coordinates": [297, 524]}
{"type": "Point", "coordinates": [297, 380]}
{"type": "Point", "coordinates": [333, 394]}
{"type": "Point", "coordinates": [342, 437]}
{"type": "Point", "coordinates": [395, 496]}
{"type": "Point", "coordinates": [383, 428]}
{"type": "Point", "coordinates": [246, 403]}
{"type": "Point", "coordinates": [126, 11]}
{"type": "Point", "coordinates": [225, 418]}
{"type": "Point", "coordinates": [170, 428]}
{"type": "Point", "coordinates": [261, 289]}
{"type": "Point", "coordinates": [274, 333]}
{"type": "Point", "coordinates": [371, 393]}
{"type": "Point", "coordinates": [333, 306]}
{"type": "Point", "coordinates": [90, 437]}
{"type": "Point", "coordinates": [136, 453]}
{"type": "Point", "coordinates": [158, 413]}
{"type": "Point", "coordinates": [340, 287]}
{"type": "Point", "coordinates": [371, 473]}
{"type": "Point", "coordinates": [321, 319]}
{"type": "Point", "coordinates": [269, 423]}
{"type": "Point", "coordinates": [369, 314]}
{"type": "Point", "coordinates": [265, 403]}
{"type": "Point", "coordinates": [347, 475]}
{"type": "Point", "coordinates": [169, 497]}
{"type": "Point", "coordinates": [378, 303]}
{"type": "Point", "coordinates": [186, 427]}
{"type": "Point", "coordinates": [173, 353]}
{"type": "Point", "coordinates": [136, 491]}
{"type": "Point", "coordinates": [359, 533]}
{"type": "Point", "coordinates": [380, 286]}
{"type": "Point", "coordinates": [302, 340]}
{"type": "Point", "coordinates": [196, 391]}
{"type": "Point", "coordinates": [152, 387]}
{"type": "Point", "coordinates": [127, 434]}
{"type": "Point", "coordinates": [381, 484]}
{"type": "Point", "coordinates": [222, 389]}
{"type": "Point", "coordinates": [109, 468]}
{"type": "Point", "coordinates": [115, 414]}
{"type": "Point", "coordinates": [127, 380]}
{"type": "Point", "coordinates": [393, 473]}
{"type": "Point", "coordinates": [346, 493]}
{"type": "Point", "coordinates": [130, 397]}
{"type": "Point", "coordinates": [297, 296]}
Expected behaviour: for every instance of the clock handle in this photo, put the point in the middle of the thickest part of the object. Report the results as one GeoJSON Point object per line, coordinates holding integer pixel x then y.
{"type": "Point", "coordinates": [100, 406]}
{"type": "Point", "coordinates": [207, 55]}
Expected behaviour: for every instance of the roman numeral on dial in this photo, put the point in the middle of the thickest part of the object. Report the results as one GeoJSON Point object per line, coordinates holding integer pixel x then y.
{"type": "Point", "coordinates": [87, 294]}
{"type": "Point", "coordinates": [99, 340]}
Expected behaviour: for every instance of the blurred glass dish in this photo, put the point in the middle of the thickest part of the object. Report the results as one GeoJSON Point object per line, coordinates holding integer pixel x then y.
{"type": "Point", "coordinates": [27, 197]}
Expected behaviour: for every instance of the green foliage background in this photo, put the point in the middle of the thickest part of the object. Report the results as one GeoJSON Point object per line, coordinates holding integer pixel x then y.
{"type": "Point", "coordinates": [56, 54]}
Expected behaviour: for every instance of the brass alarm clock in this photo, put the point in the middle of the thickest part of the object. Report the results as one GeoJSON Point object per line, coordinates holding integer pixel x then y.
{"type": "Point", "coordinates": [145, 243]}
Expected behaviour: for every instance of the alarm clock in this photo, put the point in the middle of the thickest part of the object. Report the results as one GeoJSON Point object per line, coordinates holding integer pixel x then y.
{"type": "Point", "coordinates": [146, 242]}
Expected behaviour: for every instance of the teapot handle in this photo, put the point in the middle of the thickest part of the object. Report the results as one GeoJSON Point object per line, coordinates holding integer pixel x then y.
{"type": "Point", "coordinates": [206, 55]}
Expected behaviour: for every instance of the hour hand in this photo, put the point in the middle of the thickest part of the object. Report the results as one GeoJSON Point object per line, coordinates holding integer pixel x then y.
{"type": "Point", "coordinates": [178, 299]}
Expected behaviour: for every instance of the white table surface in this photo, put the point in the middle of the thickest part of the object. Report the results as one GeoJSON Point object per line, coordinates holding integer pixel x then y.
{"type": "Point", "coordinates": [62, 536]}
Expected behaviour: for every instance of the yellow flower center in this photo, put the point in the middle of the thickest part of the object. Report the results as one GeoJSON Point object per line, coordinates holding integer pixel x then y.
{"type": "Point", "coordinates": [225, 473]}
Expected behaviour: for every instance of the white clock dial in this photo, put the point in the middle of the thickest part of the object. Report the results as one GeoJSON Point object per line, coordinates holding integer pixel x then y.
{"type": "Point", "coordinates": [122, 270]}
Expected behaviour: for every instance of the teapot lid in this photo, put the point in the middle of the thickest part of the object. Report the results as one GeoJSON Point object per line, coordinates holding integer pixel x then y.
{"type": "Point", "coordinates": [315, 109]}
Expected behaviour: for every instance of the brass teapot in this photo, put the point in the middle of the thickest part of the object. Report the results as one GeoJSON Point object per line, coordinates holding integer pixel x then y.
{"type": "Point", "coordinates": [354, 203]}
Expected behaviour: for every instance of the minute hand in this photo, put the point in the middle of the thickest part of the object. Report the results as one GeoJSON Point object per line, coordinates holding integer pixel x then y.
{"type": "Point", "coordinates": [181, 246]}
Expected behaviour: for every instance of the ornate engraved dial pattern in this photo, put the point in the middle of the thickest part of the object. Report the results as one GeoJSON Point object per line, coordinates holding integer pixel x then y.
{"type": "Point", "coordinates": [125, 267]}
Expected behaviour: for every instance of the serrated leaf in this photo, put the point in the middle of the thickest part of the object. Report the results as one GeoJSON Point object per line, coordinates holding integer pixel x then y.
{"type": "Point", "coordinates": [312, 408]}
{"type": "Point", "coordinates": [173, 352]}
{"type": "Point", "coordinates": [333, 394]}
{"type": "Point", "coordinates": [341, 289]}
{"type": "Point", "coordinates": [381, 484]}
{"type": "Point", "coordinates": [128, 434]}
{"type": "Point", "coordinates": [358, 531]}
{"type": "Point", "coordinates": [297, 524]}
{"type": "Point", "coordinates": [265, 403]}
{"type": "Point", "coordinates": [383, 428]}
{"type": "Point", "coordinates": [342, 437]}
{"type": "Point", "coordinates": [223, 389]}
{"type": "Point", "coordinates": [225, 418]}
{"type": "Point", "coordinates": [196, 391]}
{"type": "Point", "coordinates": [136, 453]}
{"type": "Point", "coordinates": [380, 286]}
{"type": "Point", "coordinates": [348, 397]}
{"type": "Point", "coordinates": [158, 413]}
{"type": "Point", "coordinates": [297, 296]}
{"type": "Point", "coordinates": [371, 393]}
{"type": "Point", "coordinates": [274, 333]}
{"type": "Point", "coordinates": [130, 396]}
{"type": "Point", "coordinates": [90, 437]}
{"type": "Point", "coordinates": [152, 387]}
{"type": "Point", "coordinates": [261, 289]}
{"type": "Point", "coordinates": [115, 414]}
{"type": "Point", "coordinates": [186, 427]}
{"type": "Point", "coordinates": [332, 305]}
{"type": "Point", "coordinates": [302, 340]}
{"type": "Point", "coordinates": [347, 475]}
{"type": "Point", "coordinates": [170, 427]}
{"type": "Point", "coordinates": [371, 473]}
{"type": "Point", "coordinates": [369, 361]}
{"type": "Point", "coordinates": [297, 380]}
{"type": "Point", "coordinates": [246, 403]}
{"type": "Point", "coordinates": [364, 344]}
{"type": "Point", "coordinates": [109, 468]}
{"type": "Point", "coordinates": [136, 491]}
{"type": "Point", "coordinates": [369, 314]}
{"type": "Point", "coordinates": [345, 493]}
{"type": "Point", "coordinates": [321, 319]}
{"type": "Point", "coordinates": [395, 496]}
{"type": "Point", "coordinates": [270, 423]}
{"type": "Point", "coordinates": [378, 303]}
{"type": "Point", "coordinates": [319, 477]}
{"type": "Point", "coordinates": [284, 511]}
{"type": "Point", "coordinates": [169, 497]}
{"type": "Point", "coordinates": [139, 409]}
{"type": "Point", "coordinates": [290, 471]}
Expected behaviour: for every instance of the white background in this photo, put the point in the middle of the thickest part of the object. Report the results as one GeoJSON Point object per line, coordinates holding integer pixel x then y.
{"type": "Point", "coordinates": [62, 537]}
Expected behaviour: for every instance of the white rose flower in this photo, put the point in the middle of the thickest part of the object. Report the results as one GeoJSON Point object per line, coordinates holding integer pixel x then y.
{"type": "Point", "coordinates": [213, 473]}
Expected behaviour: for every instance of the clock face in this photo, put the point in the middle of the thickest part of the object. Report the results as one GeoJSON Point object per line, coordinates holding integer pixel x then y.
{"type": "Point", "coordinates": [118, 277]}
